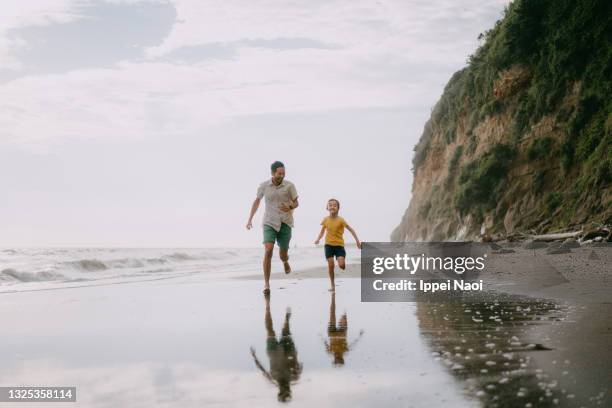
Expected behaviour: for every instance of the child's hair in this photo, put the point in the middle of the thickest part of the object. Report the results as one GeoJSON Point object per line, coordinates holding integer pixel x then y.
{"type": "Point", "coordinates": [333, 199]}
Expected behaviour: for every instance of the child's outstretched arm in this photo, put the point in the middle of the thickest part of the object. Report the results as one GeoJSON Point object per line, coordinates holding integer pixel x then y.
{"type": "Point", "coordinates": [320, 235]}
{"type": "Point", "coordinates": [354, 234]}
{"type": "Point", "coordinates": [354, 342]}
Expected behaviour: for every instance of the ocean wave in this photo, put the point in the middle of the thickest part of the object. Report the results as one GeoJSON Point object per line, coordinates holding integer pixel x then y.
{"type": "Point", "coordinates": [92, 265]}
{"type": "Point", "coordinates": [31, 276]}
{"type": "Point", "coordinates": [180, 256]}
{"type": "Point", "coordinates": [125, 263]}
{"type": "Point", "coordinates": [156, 261]}
{"type": "Point", "coordinates": [89, 265]}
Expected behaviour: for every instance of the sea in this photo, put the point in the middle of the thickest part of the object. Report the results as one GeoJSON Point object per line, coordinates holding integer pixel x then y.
{"type": "Point", "coordinates": [26, 269]}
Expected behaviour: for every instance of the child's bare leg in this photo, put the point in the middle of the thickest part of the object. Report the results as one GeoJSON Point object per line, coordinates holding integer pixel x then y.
{"type": "Point", "coordinates": [341, 263]}
{"type": "Point", "coordinates": [332, 310]}
{"type": "Point", "coordinates": [284, 256]}
{"type": "Point", "coordinates": [330, 268]}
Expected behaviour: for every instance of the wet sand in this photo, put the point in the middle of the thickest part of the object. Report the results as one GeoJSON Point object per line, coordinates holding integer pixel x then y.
{"type": "Point", "coordinates": [193, 341]}
{"type": "Point", "coordinates": [572, 351]}
{"type": "Point", "coordinates": [187, 342]}
{"type": "Point", "coordinates": [583, 275]}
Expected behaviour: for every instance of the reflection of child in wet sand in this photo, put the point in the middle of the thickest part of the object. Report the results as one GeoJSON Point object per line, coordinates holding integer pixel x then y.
{"type": "Point", "coordinates": [284, 365]}
{"type": "Point", "coordinates": [337, 332]}
{"type": "Point", "coordinates": [334, 238]}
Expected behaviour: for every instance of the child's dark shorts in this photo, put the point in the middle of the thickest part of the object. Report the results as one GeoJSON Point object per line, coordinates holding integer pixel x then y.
{"type": "Point", "coordinates": [332, 250]}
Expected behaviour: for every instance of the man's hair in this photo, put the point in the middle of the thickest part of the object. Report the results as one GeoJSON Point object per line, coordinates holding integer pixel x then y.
{"type": "Point", "coordinates": [333, 199]}
{"type": "Point", "coordinates": [276, 165]}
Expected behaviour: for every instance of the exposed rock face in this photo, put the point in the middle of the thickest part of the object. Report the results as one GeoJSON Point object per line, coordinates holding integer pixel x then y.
{"type": "Point", "coordinates": [518, 143]}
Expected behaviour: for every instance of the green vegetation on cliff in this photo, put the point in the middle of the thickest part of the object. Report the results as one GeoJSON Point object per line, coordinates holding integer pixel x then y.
{"type": "Point", "coordinates": [545, 61]}
{"type": "Point", "coordinates": [480, 179]}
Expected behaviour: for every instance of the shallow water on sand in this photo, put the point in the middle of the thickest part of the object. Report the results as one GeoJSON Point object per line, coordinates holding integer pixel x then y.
{"type": "Point", "coordinates": [189, 342]}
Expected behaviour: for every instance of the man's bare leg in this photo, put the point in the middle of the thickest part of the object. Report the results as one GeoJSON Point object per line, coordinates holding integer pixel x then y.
{"type": "Point", "coordinates": [268, 320]}
{"type": "Point", "coordinates": [330, 268]}
{"type": "Point", "coordinates": [341, 263]}
{"type": "Point", "coordinates": [284, 256]}
{"type": "Point", "coordinates": [286, 329]}
{"type": "Point", "coordinates": [267, 265]}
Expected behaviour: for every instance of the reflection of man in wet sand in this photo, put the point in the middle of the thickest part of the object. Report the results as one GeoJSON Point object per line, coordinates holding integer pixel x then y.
{"type": "Point", "coordinates": [284, 365]}
{"type": "Point", "coordinates": [337, 332]}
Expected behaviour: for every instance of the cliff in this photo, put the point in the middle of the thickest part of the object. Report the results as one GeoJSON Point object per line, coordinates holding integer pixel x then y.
{"type": "Point", "coordinates": [520, 140]}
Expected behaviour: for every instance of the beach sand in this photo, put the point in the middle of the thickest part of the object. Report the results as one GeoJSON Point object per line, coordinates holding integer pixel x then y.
{"type": "Point", "coordinates": [579, 284]}
{"type": "Point", "coordinates": [196, 341]}
{"type": "Point", "coordinates": [187, 342]}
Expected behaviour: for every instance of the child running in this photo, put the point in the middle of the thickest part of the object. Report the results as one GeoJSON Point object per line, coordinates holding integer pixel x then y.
{"type": "Point", "coordinates": [334, 239]}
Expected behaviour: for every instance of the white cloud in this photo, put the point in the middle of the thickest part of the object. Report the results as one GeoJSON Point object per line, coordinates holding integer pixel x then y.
{"type": "Point", "coordinates": [137, 99]}
{"type": "Point", "coordinates": [352, 23]}
{"type": "Point", "coordinates": [28, 13]}
{"type": "Point", "coordinates": [386, 54]}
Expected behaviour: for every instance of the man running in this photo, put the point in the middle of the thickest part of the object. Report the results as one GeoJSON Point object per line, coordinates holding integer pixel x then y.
{"type": "Point", "coordinates": [281, 199]}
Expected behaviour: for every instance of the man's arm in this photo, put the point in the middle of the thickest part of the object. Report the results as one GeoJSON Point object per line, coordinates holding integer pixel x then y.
{"type": "Point", "coordinates": [294, 203]}
{"type": "Point", "coordinates": [254, 208]}
{"type": "Point", "coordinates": [260, 366]}
{"type": "Point", "coordinates": [354, 234]}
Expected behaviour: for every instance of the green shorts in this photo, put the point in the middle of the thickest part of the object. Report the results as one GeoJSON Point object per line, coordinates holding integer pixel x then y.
{"type": "Point", "coordinates": [282, 237]}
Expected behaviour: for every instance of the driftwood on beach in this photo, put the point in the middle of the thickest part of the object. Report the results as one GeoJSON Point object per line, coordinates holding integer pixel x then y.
{"type": "Point", "coordinates": [556, 236]}
{"type": "Point", "coordinates": [597, 233]}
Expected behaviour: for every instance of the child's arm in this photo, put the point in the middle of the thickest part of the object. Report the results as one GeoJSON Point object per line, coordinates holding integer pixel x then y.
{"type": "Point", "coordinates": [354, 342]}
{"type": "Point", "coordinates": [354, 234]}
{"type": "Point", "coordinates": [320, 235]}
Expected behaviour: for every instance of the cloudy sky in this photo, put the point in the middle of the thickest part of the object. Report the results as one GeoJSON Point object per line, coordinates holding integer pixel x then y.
{"type": "Point", "coordinates": [151, 123]}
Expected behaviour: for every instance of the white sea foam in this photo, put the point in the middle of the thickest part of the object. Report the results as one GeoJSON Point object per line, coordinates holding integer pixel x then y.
{"type": "Point", "coordinates": [42, 268]}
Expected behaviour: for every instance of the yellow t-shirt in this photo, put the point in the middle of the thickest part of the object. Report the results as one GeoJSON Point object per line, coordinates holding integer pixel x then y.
{"type": "Point", "coordinates": [335, 230]}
